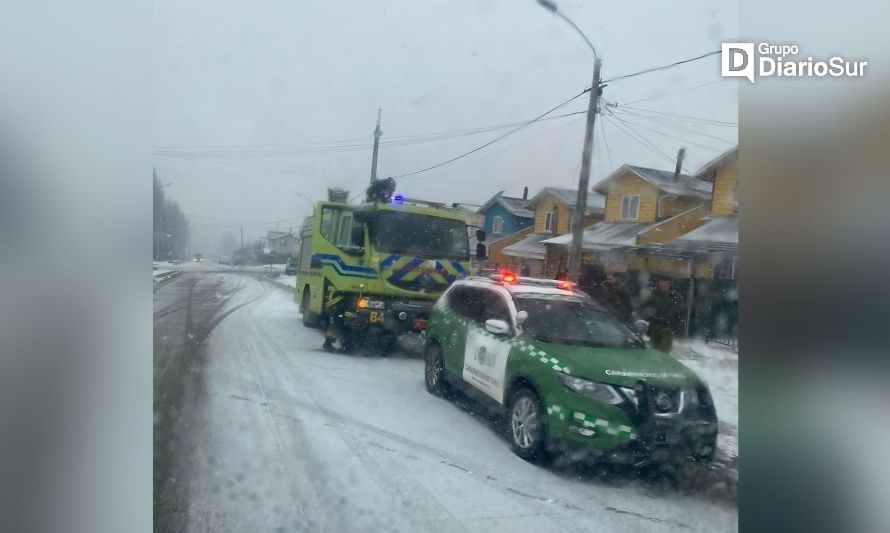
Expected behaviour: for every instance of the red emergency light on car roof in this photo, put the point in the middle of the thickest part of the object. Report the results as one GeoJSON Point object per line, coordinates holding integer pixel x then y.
{"type": "Point", "coordinates": [508, 277]}
{"type": "Point", "coordinates": [565, 285]}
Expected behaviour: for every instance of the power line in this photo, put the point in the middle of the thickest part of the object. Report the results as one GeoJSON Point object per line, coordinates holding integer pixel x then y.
{"type": "Point", "coordinates": [627, 130]}
{"type": "Point", "coordinates": [292, 170]}
{"type": "Point", "coordinates": [606, 142]}
{"type": "Point", "coordinates": [499, 152]}
{"type": "Point", "coordinates": [344, 142]}
{"type": "Point", "coordinates": [665, 134]}
{"type": "Point", "coordinates": [674, 92]}
{"type": "Point", "coordinates": [496, 139]}
{"type": "Point", "coordinates": [663, 67]}
{"type": "Point", "coordinates": [517, 145]}
{"type": "Point", "coordinates": [671, 125]}
{"type": "Point", "coordinates": [297, 148]}
{"type": "Point", "coordinates": [689, 118]}
{"type": "Point", "coordinates": [293, 219]}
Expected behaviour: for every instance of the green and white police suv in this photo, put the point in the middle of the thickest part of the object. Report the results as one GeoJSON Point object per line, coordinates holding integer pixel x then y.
{"type": "Point", "coordinates": [568, 376]}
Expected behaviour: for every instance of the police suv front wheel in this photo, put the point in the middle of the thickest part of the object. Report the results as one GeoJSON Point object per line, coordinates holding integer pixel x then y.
{"type": "Point", "coordinates": [527, 426]}
{"type": "Point", "coordinates": [434, 370]}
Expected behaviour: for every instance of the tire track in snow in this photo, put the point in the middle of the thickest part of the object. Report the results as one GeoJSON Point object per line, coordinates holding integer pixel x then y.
{"type": "Point", "coordinates": [354, 428]}
{"type": "Point", "coordinates": [387, 482]}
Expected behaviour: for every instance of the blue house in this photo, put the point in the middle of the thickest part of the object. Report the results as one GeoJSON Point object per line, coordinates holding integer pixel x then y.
{"type": "Point", "coordinates": [505, 215]}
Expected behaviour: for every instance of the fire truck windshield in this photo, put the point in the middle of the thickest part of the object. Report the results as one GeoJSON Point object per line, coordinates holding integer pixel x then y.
{"type": "Point", "coordinates": [420, 235]}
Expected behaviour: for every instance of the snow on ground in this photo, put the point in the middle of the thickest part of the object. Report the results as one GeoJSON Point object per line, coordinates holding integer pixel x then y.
{"type": "Point", "coordinates": [718, 366]}
{"type": "Point", "coordinates": [293, 436]}
{"type": "Point", "coordinates": [278, 276]}
{"type": "Point", "coordinates": [287, 281]}
{"type": "Point", "coordinates": [264, 268]}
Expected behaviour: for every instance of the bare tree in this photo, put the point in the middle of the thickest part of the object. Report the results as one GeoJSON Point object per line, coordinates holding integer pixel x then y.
{"type": "Point", "coordinates": [171, 230]}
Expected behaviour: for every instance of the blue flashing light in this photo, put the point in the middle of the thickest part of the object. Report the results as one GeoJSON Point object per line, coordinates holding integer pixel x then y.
{"type": "Point", "coordinates": [398, 199]}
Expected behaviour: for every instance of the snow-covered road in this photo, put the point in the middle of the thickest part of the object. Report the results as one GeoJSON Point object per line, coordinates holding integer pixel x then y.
{"type": "Point", "coordinates": [256, 429]}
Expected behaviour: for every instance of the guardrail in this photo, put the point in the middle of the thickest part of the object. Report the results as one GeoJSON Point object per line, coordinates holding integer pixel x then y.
{"type": "Point", "coordinates": [166, 275]}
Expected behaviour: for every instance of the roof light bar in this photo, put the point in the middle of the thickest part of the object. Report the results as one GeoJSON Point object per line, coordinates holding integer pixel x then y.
{"type": "Point", "coordinates": [513, 279]}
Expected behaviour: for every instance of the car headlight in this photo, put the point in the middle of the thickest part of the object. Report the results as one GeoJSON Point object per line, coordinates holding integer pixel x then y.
{"type": "Point", "coordinates": [368, 303]}
{"type": "Point", "coordinates": [598, 391]}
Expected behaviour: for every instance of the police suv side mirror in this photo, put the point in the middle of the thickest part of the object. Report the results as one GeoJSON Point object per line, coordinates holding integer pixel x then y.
{"type": "Point", "coordinates": [521, 317]}
{"type": "Point", "coordinates": [641, 327]}
{"type": "Point", "coordinates": [497, 327]}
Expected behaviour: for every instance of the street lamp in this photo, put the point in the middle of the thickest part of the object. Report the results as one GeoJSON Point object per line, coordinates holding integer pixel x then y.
{"type": "Point", "coordinates": [311, 202]}
{"type": "Point", "coordinates": [551, 7]}
{"type": "Point", "coordinates": [587, 152]}
{"type": "Point", "coordinates": [303, 196]}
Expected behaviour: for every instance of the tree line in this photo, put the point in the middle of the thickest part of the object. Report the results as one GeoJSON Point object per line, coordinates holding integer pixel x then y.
{"type": "Point", "coordinates": [169, 224]}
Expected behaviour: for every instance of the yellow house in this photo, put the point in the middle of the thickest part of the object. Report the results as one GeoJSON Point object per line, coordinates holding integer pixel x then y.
{"type": "Point", "coordinates": [644, 206]}
{"type": "Point", "coordinates": [716, 241]}
{"type": "Point", "coordinates": [723, 172]}
{"type": "Point", "coordinates": [554, 210]}
{"type": "Point", "coordinates": [684, 227]}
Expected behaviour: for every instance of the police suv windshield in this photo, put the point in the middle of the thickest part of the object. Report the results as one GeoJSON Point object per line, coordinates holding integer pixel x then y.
{"type": "Point", "coordinates": [420, 235]}
{"type": "Point", "coordinates": [561, 320]}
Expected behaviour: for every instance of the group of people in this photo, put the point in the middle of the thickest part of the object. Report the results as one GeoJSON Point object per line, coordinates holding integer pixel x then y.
{"type": "Point", "coordinates": [663, 309]}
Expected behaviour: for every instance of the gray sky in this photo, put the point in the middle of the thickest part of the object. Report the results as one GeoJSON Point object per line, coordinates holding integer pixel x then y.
{"type": "Point", "coordinates": [240, 76]}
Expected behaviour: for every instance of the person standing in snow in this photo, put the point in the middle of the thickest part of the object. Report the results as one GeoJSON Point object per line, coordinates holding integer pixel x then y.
{"type": "Point", "coordinates": [616, 296]}
{"type": "Point", "coordinates": [334, 328]}
{"type": "Point", "coordinates": [664, 311]}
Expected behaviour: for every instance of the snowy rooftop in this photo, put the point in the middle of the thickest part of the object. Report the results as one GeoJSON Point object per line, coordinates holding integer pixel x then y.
{"type": "Point", "coordinates": [596, 203]}
{"type": "Point", "coordinates": [664, 180]}
{"type": "Point", "coordinates": [605, 234]}
{"type": "Point", "coordinates": [726, 157]}
{"type": "Point", "coordinates": [714, 230]}
{"type": "Point", "coordinates": [516, 206]}
{"type": "Point", "coordinates": [530, 247]}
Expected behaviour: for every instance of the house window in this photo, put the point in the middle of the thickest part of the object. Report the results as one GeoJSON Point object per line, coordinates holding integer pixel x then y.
{"type": "Point", "coordinates": [549, 218]}
{"type": "Point", "coordinates": [497, 225]}
{"type": "Point", "coordinates": [630, 207]}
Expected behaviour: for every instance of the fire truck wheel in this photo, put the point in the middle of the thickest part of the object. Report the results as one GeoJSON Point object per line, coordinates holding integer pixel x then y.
{"type": "Point", "coordinates": [310, 319]}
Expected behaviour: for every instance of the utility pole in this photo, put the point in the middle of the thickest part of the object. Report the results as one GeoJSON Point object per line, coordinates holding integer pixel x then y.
{"type": "Point", "coordinates": [584, 178]}
{"type": "Point", "coordinates": [241, 250]}
{"type": "Point", "coordinates": [377, 134]}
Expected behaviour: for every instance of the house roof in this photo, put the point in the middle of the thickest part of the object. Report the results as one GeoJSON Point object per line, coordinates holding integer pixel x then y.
{"type": "Point", "coordinates": [530, 247]}
{"type": "Point", "coordinates": [596, 203]}
{"type": "Point", "coordinates": [718, 235]}
{"type": "Point", "coordinates": [726, 157]}
{"type": "Point", "coordinates": [275, 235]}
{"type": "Point", "coordinates": [605, 235]}
{"type": "Point", "coordinates": [514, 206]}
{"type": "Point", "coordinates": [683, 185]}
{"type": "Point", "coordinates": [715, 230]}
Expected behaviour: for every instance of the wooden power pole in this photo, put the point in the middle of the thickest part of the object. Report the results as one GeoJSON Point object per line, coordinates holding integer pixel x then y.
{"type": "Point", "coordinates": [377, 134]}
{"type": "Point", "coordinates": [584, 179]}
